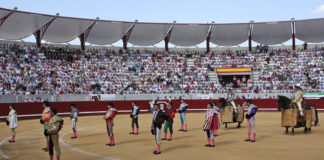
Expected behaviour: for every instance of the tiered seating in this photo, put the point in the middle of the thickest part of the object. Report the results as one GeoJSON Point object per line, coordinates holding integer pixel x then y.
{"type": "Point", "coordinates": [53, 70]}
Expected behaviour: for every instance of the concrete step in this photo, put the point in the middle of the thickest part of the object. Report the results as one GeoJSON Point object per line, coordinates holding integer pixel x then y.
{"type": "Point", "coordinates": [255, 76]}
{"type": "Point", "coordinates": [213, 77]}
{"type": "Point", "coordinates": [136, 79]}
{"type": "Point", "coordinates": [190, 62]}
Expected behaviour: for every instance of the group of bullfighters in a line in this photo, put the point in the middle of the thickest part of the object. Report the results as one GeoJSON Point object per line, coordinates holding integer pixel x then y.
{"type": "Point", "coordinates": [52, 123]}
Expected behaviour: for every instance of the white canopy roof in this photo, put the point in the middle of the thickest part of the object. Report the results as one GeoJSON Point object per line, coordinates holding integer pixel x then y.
{"type": "Point", "coordinates": [229, 34]}
{"type": "Point", "coordinates": [63, 30]}
{"type": "Point", "coordinates": [271, 33]}
{"type": "Point", "coordinates": [21, 25]}
{"type": "Point", "coordinates": [147, 34]}
{"type": "Point", "coordinates": [310, 30]}
{"type": "Point", "coordinates": [104, 32]}
{"type": "Point", "coordinates": [188, 34]}
{"type": "Point", "coordinates": [3, 12]}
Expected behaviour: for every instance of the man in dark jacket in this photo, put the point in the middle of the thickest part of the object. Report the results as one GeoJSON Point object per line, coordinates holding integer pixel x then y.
{"type": "Point", "coordinates": [134, 116]}
{"type": "Point", "coordinates": [170, 112]}
{"type": "Point", "coordinates": [158, 119]}
{"type": "Point", "coordinates": [305, 46]}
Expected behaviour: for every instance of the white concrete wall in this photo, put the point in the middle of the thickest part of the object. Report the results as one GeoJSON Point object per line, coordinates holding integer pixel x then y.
{"type": "Point", "coordinates": [67, 98]}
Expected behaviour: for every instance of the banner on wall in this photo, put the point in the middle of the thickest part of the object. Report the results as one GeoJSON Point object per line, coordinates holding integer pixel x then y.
{"type": "Point", "coordinates": [103, 97]}
{"type": "Point", "coordinates": [314, 95]}
{"type": "Point", "coordinates": [233, 70]}
{"type": "Point", "coordinates": [162, 104]}
{"type": "Point", "coordinates": [205, 96]}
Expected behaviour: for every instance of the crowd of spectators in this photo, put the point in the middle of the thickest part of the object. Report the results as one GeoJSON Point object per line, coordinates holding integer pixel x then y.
{"type": "Point", "coordinates": [27, 70]}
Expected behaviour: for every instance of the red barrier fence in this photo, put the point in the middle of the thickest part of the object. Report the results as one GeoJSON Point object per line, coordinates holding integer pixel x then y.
{"type": "Point", "coordinates": [36, 108]}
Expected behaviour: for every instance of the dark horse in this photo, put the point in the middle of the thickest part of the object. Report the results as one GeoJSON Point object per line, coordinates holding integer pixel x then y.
{"type": "Point", "coordinates": [224, 103]}
{"type": "Point", "coordinates": [286, 103]}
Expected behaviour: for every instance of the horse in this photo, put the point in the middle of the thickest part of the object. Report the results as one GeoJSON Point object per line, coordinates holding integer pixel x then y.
{"type": "Point", "coordinates": [284, 103]}
{"type": "Point", "coordinates": [231, 116]}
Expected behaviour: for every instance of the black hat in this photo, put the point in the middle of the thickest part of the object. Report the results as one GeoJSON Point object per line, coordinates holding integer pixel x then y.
{"type": "Point", "coordinates": [54, 111]}
{"type": "Point", "coordinates": [46, 103]}
{"type": "Point", "coordinates": [111, 104]}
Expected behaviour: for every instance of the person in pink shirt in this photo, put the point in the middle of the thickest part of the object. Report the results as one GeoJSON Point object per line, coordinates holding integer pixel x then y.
{"type": "Point", "coordinates": [109, 118]}
{"type": "Point", "coordinates": [244, 79]}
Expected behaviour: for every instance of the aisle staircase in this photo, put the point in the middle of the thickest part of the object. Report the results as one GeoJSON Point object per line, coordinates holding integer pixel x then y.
{"type": "Point", "coordinates": [213, 77]}
{"type": "Point", "coordinates": [255, 76]}
{"type": "Point", "coordinates": [136, 79]}
{"type": "Point", "coordinates": [190, 62]}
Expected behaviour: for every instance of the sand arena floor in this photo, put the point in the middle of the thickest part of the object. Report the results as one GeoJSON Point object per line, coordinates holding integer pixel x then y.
{"type": "Point", "coordinates": [272, 143]}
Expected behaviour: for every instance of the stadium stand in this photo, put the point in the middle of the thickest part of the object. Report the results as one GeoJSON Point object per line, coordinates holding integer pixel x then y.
{"type": "Point", "coordinates": [41, 69]}
{"type": "Point", "coordinates": [29, 70]}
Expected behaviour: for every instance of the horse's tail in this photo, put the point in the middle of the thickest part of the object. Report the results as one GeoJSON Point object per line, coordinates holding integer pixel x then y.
{"type": "Point", "coordinates": [316, 113]}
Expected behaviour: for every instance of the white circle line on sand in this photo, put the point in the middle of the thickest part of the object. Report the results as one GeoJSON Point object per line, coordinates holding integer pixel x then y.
{"type": "Point", "coordinates": [1, 152]}
{"type": "Point", "coordinates": [6, 139]}
{"type": "Point", "coordinates": [82, 151]}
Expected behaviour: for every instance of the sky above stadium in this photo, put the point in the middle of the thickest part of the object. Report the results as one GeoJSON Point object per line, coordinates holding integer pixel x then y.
{"type": "Point", "coordinates": [183, 11]}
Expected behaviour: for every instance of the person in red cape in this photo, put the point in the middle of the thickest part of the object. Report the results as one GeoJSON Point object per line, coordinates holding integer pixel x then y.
{"type": "Point", "coordinates": [209, 126]}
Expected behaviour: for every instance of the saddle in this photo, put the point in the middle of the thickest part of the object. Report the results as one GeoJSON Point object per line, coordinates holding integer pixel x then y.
{"type": "Point", "coordinates": [228, 104]}
{"type": "Point", "coordinates": [305, 106]}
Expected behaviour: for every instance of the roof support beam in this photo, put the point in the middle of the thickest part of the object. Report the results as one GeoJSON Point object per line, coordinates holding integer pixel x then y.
{"type": "Point", "coordinates": [39, 34]}
{"type": "Point", "coordinates": [127, 34]}
{"type": "Point", "coordinates": [84, 35]}
{"type": "Point", "coordinates": [208, 37]}
{"type": "Point", "coordinates": [250, 36]}
{"type": "Point", "coordinates": [293, 34]}
{"type": "Point", "coordinates": [5, 17]}
{"type": "Point", "coordinates": [167, 37]}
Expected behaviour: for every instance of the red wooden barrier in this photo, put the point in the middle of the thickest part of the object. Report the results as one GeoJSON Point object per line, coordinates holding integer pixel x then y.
{"type": "Point", "coordinates": [36, 108]}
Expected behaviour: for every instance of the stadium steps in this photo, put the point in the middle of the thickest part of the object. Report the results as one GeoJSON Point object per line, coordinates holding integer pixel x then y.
{"type": "Point", "coordinates": [272, 62]}
{"type": "Point", "coordinates": [190, 62]}
{"type": "Point", "coordinates": [213, 76]}
{"type": "Point", "coordinates": [255, 76]}
{"type": "Point", "coordinates": [136, 79]}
